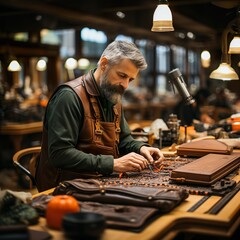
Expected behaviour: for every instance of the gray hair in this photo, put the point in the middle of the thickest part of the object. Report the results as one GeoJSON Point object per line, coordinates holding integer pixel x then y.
{"type": "Point", "coordinates": [116, 51]}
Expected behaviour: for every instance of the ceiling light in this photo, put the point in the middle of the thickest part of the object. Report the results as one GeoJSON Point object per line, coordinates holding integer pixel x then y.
{"type": "Point", "coordinates": [120, 14]}
{"type": "Point", "coordinates": [234, 47]}
{"type": "Point", "coordinates": [41, 65]}
{"type": "Point", "coordinates": [162, 18]}
{"type": "Point", "coordinates": [191, 35]}
{"type": "Point", "coordinates": [205, 58]}
{"type": "Point", "coordinates": [205, 55]}
{"type": "Point", "coordinates": [181, 35]}
{"type": "Point", "coordinates": [71, 64]}
{"type": "Point", "coordinates": [224, 72]}
{"type": "Point", "coordinates": [83, 63]}
{"type": "Point", "coordinates": [14, 66]}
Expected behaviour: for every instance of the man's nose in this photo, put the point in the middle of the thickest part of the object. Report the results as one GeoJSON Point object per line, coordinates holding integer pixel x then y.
{"type": "Point", "coordinates": [125, 84]}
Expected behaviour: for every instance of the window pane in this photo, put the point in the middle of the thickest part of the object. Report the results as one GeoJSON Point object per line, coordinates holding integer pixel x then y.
{"type": "Point", "coordinates": [161, 84]}
{"type": "Point", "coordinates": [179, 58]}
{"type": "Point", "coordinates": [147, 49]}
{"type": "Point", "coordinates": [194, 68]}
{"type": "Point", "coordinates": [162, 58]}
{"type": "Point", "coordinates": [21, 36]}
{"type": "Point", "coordinates": [64, 38]}
{"type": "Point", "coordinates": [124, 38]}
{"type": "Point", "coordinates": [94, 42]}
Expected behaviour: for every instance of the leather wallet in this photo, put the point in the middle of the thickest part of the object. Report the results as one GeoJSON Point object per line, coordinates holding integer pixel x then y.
{"type": "Point", "coordinates": [207, 169]}
{"type": "Point", "coordinates": [202, 147]}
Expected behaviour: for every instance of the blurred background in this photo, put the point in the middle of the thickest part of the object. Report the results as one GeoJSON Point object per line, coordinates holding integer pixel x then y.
{"type": "Point", "coordinates": [44, 43]}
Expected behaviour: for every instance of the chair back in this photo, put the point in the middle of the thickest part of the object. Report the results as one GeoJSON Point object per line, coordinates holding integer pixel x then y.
{"type": "Point", "coordinates": [30, 168]}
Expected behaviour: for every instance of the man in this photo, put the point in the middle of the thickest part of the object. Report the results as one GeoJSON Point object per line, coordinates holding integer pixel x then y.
{"type": "Point", "coordinates": [85, 132]}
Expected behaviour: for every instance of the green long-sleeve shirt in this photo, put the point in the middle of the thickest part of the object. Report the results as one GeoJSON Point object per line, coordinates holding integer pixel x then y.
{"type": "Point", "coordinates": [64, 119]}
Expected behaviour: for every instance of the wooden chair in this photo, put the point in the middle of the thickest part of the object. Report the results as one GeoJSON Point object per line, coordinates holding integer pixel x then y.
{"type": "Point", "coordinates": [29, 170]}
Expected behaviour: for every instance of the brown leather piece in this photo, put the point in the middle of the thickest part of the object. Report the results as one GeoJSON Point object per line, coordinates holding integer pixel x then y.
{"type": "Point", "coordinates": [202, 147]}
{"type": "Point", "coordinates": [162, 198]}
{"type": "Point", "coordinates": [207, 169]}
{"type": "Point", "coordinates": [131, 218]}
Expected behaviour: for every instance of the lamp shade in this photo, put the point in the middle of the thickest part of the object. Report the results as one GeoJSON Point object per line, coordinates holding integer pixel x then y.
{"type": "Point", "coordinates": [224, 72]}
{"type": "Point", "coordinates": [71, 64]}
{"type": "Point", "coordinates": [234, 47]}
{"type": "Point", "coordinates": [14, 66]}
{"type": "Point", "coordinates": [83, 63]}
{"type": "Point", "coordinates": [205, 58]}
{"type": "Point", "coordinates": [41, 65]}
{"type": "Point", "coordinates": [162, 18]}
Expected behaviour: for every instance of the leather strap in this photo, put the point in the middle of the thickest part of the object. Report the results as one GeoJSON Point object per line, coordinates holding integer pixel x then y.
{"type": "Point", "coordinates": [117, 125]}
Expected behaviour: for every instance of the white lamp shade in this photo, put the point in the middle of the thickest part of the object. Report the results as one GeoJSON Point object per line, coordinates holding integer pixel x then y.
{"type": "Point", "coordinates": [41, 65]}
{"type": "Point", "coordinates": [162, 19]}
{"type": "Point", "coordinates": [14, 66]}
{"type": "Point", "coordinates": [83, 63]}
{"type": "Point", "coordinates": [224, 72]}
{"type": "Point", "coordinates": [234, 47]}
{"type": "Point", "coordinates": [71, 63]}
{"type": "Point", "coordinates": [162, 13]}
{"type": "Point", "coordinates": [205, 58]}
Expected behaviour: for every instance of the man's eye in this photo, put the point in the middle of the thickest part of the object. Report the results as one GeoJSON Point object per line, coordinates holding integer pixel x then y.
{"type": "Point", "coordinates": [122, 75]}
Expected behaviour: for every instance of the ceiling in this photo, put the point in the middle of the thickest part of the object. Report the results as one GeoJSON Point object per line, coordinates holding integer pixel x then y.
{"type": "Point", "coordinates": [206, 19]}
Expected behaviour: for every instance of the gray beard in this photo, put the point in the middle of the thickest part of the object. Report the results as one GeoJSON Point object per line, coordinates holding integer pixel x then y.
{"type": "Point", "coordinates": [113, 93]}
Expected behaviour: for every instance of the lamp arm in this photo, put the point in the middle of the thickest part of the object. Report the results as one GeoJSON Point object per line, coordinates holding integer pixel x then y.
{"type": "Point", "coordinates": [225, 37]}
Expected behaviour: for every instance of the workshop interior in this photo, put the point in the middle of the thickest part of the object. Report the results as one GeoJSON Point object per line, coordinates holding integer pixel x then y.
{"type": "Point", "coordinates": [186, 103]}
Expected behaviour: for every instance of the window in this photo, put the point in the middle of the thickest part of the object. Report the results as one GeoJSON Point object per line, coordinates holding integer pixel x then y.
{"type": "Point", "coordinates": [94, 42]}
{"type": "Point", "coordinates": [171, 57]}
{"type": "Point", "coordinates": [21, 36]}
{"type": "Point", "coordinates": [64, 38]}
{"type": "Point", "coordinates": [194, 69]}
{"type": "Point", "coordinates": [162, 68]}
{"type": "Point", "coordinates": [162, 59]}
{"type": "Point", "coordinates": [179, 58]}
{"type": "Point", "coordinates": [147, 49]}
{"type": "Point", "coordinates": [124, 38]}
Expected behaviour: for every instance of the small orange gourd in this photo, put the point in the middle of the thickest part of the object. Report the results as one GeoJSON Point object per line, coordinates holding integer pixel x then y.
{"type": "Point", "coordinates": [57, 207]}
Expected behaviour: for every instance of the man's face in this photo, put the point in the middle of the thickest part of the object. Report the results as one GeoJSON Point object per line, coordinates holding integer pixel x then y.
{"type": "Point", "coordinates": [115, 80]}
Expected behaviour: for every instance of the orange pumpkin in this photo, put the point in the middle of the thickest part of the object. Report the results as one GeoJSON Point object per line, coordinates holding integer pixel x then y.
{"type": "Point", "coordinates": [57, 207]}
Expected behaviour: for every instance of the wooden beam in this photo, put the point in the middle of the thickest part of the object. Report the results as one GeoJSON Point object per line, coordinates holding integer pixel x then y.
{"type": "Point", "coordinates": [80, 19]}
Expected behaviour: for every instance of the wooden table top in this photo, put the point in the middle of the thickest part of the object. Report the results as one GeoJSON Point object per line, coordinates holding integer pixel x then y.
{"type": "Point", "coordinates": [167, 226]}
{"type": "Point", "coordinates": [21, 128]}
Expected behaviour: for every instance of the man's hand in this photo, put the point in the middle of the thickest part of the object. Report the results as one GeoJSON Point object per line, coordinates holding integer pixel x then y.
{"type": "Point", "coordinates": [131, 162]}
{"type": "Point", "coordinates": [152, 154]}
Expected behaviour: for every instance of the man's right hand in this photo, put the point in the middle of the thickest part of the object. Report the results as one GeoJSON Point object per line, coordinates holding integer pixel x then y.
{"type": "Point", "coordinates": [131, 162]}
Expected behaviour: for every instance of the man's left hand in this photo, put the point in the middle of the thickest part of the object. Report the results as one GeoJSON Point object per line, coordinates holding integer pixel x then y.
{"type": "Point", "coordinates": [152, 154]}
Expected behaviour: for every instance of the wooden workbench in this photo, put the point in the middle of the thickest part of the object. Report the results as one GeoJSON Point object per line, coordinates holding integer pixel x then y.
{"type": "Point", "coordinates": [181, 219]}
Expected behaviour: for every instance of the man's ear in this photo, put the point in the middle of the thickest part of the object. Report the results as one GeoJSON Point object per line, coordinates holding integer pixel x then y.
{"type": "Point", "coordinates": [103, 63]}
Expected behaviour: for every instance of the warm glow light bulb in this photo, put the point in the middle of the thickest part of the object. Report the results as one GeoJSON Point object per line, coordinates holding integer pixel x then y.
{"type": "Point", "coordinates": [14, 66]}
{"type": "Point", "coordinates": [205, 58]}
{"type": "Point", "coordinates": [234, 47]}
{"type": "Point", "coordinates": [41, 65]}
{"type": "Point", "coordinates": [205, 55]}
{"type": "Point", "coordinates": [71, 63]}
{"type": "Point", "coordinates": [83, 63]}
